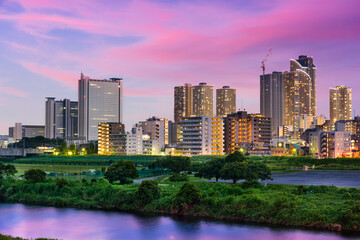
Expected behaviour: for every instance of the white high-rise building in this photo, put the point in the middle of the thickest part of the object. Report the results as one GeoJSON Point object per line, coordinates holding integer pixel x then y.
{"type": "Point", "coordinates": [202, 136]}
{"type": "Point", "coordinates": [99, 101]}
{"type": "Point", "coordinates": [158, 130]}
{"type": "Point", "coordinates": [138, 143]}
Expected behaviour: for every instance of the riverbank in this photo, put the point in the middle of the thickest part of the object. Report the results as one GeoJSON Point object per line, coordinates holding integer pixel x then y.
{"type": "Point", "coordinates": [316, 207]}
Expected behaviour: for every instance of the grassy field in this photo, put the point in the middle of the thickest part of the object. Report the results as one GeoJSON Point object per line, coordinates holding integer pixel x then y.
{"type": "Point", "coordinates": [63, 169]}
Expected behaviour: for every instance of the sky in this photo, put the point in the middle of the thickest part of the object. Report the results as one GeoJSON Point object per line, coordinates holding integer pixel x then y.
{"type": "Point", "coordinates": [155, 45]}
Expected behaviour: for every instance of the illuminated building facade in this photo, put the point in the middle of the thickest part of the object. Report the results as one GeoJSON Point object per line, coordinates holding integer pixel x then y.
{"type": "Point", "coordinates": [296, 98]}
{"type": "Point", "coordinates": [61, 119]}
{"type": "Point", "coordinates": [158, 130]}
{"type": "Point", "coordinates": [99, 101]}
{"type": "Point", "coordinates": [138, 143]}
{"type": "Point", "coordinates": [225, 101]}
{"type": "Point", "coordinates": [183, 102]}
{"type": "Point", "coordinates": [111, 139]}
{"type": "Point", "coordinates": [241, 129]}
{"type": "Point", "coordinates": [201, 136]}
{"type": "Point", "coordinates": [203, 97]}
{"type": "Point", "coordinates": [329, 144]}
{"type": "Point", "coordinates": [340, 104]}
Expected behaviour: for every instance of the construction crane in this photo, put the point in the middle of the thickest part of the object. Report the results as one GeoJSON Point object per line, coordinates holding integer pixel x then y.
{"type": "Point", "coordinates": [264, 61]}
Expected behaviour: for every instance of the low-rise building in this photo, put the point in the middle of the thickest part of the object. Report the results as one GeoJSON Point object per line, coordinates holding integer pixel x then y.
{"type": "Point", "coordinates": [111, 138]}
{"type": "Point", "coordinates": [329, 144]}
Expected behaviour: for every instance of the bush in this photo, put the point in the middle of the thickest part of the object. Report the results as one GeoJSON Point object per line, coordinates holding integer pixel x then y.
{"type": "Point", "coordinates": [177, 177]}
{"type": "Point", "coordinates": [61, 183]}
{"type": "Point", "coordinates": [188, 196]}
{"type": "Point", "coordinates": [147, 192]}
{"type": "Point", "coordinates": [35, 175]}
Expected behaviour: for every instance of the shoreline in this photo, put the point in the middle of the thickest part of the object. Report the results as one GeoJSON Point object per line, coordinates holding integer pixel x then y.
{"type": "Point", "coordinates": [315, 226]}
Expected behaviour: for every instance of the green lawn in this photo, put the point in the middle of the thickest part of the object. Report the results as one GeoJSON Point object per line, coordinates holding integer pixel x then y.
{"type": "Point", "coordinates": [21, 168]}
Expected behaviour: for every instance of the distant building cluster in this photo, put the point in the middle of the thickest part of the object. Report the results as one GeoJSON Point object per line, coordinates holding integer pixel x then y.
{"type": "Point", "coordinates": [288, 122]}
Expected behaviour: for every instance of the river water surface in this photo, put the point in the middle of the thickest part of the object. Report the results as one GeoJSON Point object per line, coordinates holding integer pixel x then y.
{"type": "Point", "coordinates": [66, 223]}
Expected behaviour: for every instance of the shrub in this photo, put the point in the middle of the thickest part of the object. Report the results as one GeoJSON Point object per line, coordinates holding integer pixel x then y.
{"type": "Point", "coordinates": [35, 175]}
{"type": "Point", "coordinates": [188, 195]}
{"type": "Point", "coordinates": [61, 183]}
{"type": "Point", "coordinates": [177, 177]}
{"type": "Point", "coordinates": [147, 192]}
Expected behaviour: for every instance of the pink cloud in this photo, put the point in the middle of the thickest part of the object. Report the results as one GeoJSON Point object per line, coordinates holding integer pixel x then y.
{"type": "Point", "coordinates": [13, 92]}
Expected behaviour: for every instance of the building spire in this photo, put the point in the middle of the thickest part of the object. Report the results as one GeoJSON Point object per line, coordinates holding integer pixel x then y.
{"type": "Point", "coordinates": [81, 75]}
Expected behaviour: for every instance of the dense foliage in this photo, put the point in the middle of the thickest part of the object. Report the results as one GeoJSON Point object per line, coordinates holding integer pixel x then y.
{"type": "Point", "coordinates": [35, 176]}
{"type": "Point", "coordinates": [188, 196]}
{"type": "Point", "coordinates": [309, 206]}
{"type": "Point", "coordinates": [234, 166]}
{"type": "Point", "coordinates": [121, 171]}
{"type": "Point", "coordinates": [7, 237]}
{"type": "Point", "coordinates": [147, 192]}
{"type": "Point", "coordinates": [7, 170]}
{"type": "Point", "coordinates": [38, 141]}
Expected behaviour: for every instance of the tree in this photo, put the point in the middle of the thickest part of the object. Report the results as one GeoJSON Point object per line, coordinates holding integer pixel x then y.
{"type": "Point", "coordinates": [73, 148]}
{"type": "Point", "coordinates": [7, 170]}
{"type": "Point", "coordinates": [234, 171]}
{"type": "Point", "coordinates": [121, 170]}
{"type": "Point", "coordinates": [147, 192]}
{"type": "Point", "coordinates": [176, 163]}
{"type": "Point", "coordinates": [61, 183]}
{"type": "Point", "coordinates": [63, 148]}
{"type": "Point", "coordinates": [35, 175]}
{"type": "Point", "coordinates": [188, 195]}
{"type": "Point", "coordinates": [235, 157]}
{"type": "Point", "coordinates": [211, 169]}
{"type": "Point", "coordinates": [257, 170]}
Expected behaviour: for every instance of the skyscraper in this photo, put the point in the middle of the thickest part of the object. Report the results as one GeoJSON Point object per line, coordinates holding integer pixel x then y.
{"type": "Point", "coordinates": [271, 99]}
{"type": "Point", "coordinates": [297, 99]}
{"type": "Point", "coordinates": [306, 64]}
{"type": "Point", "coordinates": [61, 118]}
{"type": "Point", "coordinates": [183, 102]}
{"type": "Point", "coordinates": [99, 101]}
{"type": "Point", "coordinates": [203, 96]}
{"type": "Point", "coordinates": [225, 101]}
{"type": "Point", "coordinates": [340, 104]}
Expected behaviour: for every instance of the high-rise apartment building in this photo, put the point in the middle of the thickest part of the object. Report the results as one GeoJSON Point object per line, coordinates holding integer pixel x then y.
{"type": "Point", "coordinates": [201, 136]}
{"type": "Point", "coordinates": [225, 101]}
{"type": "Point", "coordinates": [99, 101]}
{"type": "Point", "coordinates": [296, 98]}
{"type": "Point", "coordinates": [329, 144]}
{"type": "Point", "coordinates": [111, 139]}
{"type": "Point", "coordinates": [61, 119]}
{"type": "Point", "coordinates": [241, 128]}
{"type": "Point", "coordinates": [271, 99]}
{"type": "Point", "coordinates": [203, 97]}
{"type": "Point", "coordinates": [183, 102]}
{"type": "Point", "coordinates": [158, 130]}
{"type": "Point", "coordinates": [306, 64]}
{"type": "Point", "coordinates": [340, 104]}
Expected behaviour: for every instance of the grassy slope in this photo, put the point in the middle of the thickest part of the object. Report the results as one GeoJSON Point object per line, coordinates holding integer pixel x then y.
{"type": "Point", "coordinates": [322, 207]}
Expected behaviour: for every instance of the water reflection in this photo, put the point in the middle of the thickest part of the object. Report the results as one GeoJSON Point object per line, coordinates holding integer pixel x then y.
{"type": "Point", "coordinates": [32, 221]}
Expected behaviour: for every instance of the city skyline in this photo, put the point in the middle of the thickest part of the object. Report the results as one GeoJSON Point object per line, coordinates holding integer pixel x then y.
{"type": "Point", "coordinates": [164, 50]}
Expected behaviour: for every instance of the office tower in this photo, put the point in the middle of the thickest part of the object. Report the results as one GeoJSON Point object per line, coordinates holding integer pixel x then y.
{"type": "Point", "coordinates": [61, 119]}
{"type": "Point", "coordinates": [203, 96]}
{"type": "Point", "coordinates": [158, 130]}
{"type": "Point", "coordinates": [201, 136]}
{"type": "Point", "coordinates": [183, 102]}
{"type": "Point", "coordinates": [296, 98]}
{"type": "Point", "coordinates": [306, 64]}
{"type": "Point", "coordinates": [172, 133]}
{"type": "Point", "coordinates": [138, 143]}
{"type": "Point", "coordinates": [99, 101]}
{"type": "Point", "coordinates": [111, 139]}
{"type": "Point", "coordinates": [271, 99]}
{"type": "Point", "coordinates": [241, 128]}
{"type": "Point", "coordinates": [340, 104]}
{"type": "Point", "coordinates": [225, 101]}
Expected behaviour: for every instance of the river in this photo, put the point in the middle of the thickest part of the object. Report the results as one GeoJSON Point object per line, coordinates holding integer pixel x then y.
{"type": "Point", "coordinates": [66, 223]}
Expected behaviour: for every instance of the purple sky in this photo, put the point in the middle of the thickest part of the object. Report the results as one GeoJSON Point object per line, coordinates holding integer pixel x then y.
{"type": "Point", "coordinates": [158, 44]}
